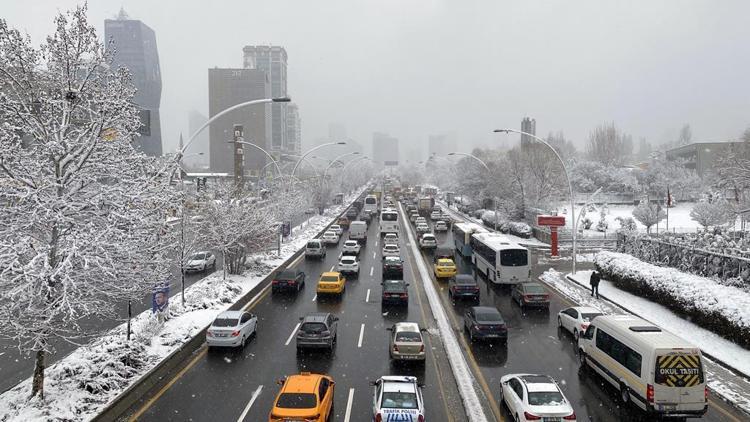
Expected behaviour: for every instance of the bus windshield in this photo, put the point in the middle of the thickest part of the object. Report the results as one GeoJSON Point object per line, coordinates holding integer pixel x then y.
{"type": "Point", "coordinates": [514, 258]}
{"type": "Point", "coordinates": [389, 216]}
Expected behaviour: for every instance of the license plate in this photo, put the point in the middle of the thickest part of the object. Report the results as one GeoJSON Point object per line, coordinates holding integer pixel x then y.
{"type": "Point", "coordinates": [220, 335]}
{"type": "Point", "coordinates": [492, 335]}
{"type": "Point", "coordinates": [666, 406]}
{"type": "Point", "coordinates": [551, 420]}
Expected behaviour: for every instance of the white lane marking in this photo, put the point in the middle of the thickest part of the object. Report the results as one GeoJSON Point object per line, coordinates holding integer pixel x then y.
{"type": "Point", "coordinates": [315, 297]}
{"type": "Point", "coordinates": [255, 298]}
{"type": "Point", "coordinates": [374, 255]}
{"type": "Point", "coordinates": [367, 298]}
{"type": "Point", "coordinates": [376, 243]}
{"type": "Point", "coordinates": [291, 336]}
{"type": "Point", "coordinates": [371, 270]}
{"type": "Point", "coordinates": [332, 267]}
{"type": "Point", "coordinates": [361, 335]}
{"type": "Point", "coordinates": [349, 402]}
{"type": "Point", "coordinates": [250, 404]}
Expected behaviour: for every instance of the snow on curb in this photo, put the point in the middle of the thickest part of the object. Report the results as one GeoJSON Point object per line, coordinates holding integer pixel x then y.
{"type": "Point", "coordinates": [83, 383]}
{"type": "Point", "coordinates": [720, 308]}
{"type": "Point", "coordinates": [460, 368]}
{"type": "Point", "coordinates": [730, 387]}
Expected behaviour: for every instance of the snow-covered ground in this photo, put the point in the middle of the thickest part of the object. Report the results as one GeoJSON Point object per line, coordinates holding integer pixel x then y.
{"type": "Point", "coordinates": [86, 381]}
{"type": "Point", "coordinates": [722, 381]}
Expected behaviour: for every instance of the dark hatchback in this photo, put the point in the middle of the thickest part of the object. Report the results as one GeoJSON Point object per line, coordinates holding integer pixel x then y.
{"type": "Point", "coordinates": [352, 213]}
{"type": "Point", "coordinates": [393, 266]}
{"type": "Point", "coordinates": [463, 286]}
{"type": "Point", "coordinates": [530, 295]}
{"type": "Point", "coordinates": [485, 323]}
{"type": "Point", "coordinates": [395, 292]}
{"type": "Point", "coordinates": [288, 280]}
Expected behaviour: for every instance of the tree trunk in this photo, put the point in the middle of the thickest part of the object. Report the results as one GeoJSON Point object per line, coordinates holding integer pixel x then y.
{"type": "Point", "coordinates": [37, 384]}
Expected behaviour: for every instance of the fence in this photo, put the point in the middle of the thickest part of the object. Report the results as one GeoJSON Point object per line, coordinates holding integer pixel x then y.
{"type": "Point", "coordinates": [735, 270]}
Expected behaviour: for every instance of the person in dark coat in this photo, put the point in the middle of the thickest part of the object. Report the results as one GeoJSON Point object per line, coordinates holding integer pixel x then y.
{"type": "Point", "coordinates": [594, 281]}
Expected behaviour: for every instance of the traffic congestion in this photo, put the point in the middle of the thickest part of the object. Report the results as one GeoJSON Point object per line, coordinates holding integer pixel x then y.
{"type": "Point", "coordinates": [346, 333]}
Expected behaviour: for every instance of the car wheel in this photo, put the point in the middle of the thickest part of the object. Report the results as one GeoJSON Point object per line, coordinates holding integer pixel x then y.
{"type": "Point", "coordinates": [582, 360]}
{"type": "Point", "coordinates": [624, 394]}
{"type": "Point", "coordinates": [575, 334]}
{"type": "Point", "coordinates": [242, 344]}
{"type": "Point", "coordinates": [559, 322]}
{"type": "Point", "coordinates": [471, 336]}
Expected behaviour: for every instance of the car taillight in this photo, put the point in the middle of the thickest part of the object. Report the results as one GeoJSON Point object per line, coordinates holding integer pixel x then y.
{"type": "Point", "coordinates": [705, 393]}
{"type": "Point", "coordinates": [209, 333]}
{"type": "Point", "coordinates": [570, 417]}
{"type": "Point", "coordinates": [584, 327]}
{"type": "Point", "coordinates": [395, 348]}
{"type": "Point", "coordinates": [531, 417]}
{"type": "Point", "coordinates": [235, 333]}
{"type": "Point", "coordinates": [378, 418]}
{"type": "Point", "coordinates": [421, 349]}
{"type": "Point", "coordinates": [650, 393]}
{"type": "Point", "coordinates": [325, 333]}
{"type": "Point", "coordinates": [420, 418]}
{"type": "Point", "coordinates": [404, 295]}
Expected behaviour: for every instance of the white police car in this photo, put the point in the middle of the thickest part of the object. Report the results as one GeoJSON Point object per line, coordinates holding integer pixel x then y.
{"type": "Point", "coordinates": [397, 399]}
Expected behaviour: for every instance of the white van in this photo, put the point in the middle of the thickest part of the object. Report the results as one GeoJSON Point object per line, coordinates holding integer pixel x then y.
{"type": "Point", "coordinates": [358, 231]}
{"type": "Point", "coordinates": [653, 368]}
{"type": "Point", "coordinates": [371, 204]}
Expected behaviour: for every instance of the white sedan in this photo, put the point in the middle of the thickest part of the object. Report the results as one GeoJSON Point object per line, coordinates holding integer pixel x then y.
{"type": "Point", "coordinates": [531, 397]}
{"type": "Point", "coordinates": [201, 261]}
{"type": "Point", "coordinates": [330, 238]}
{"type": "Point", "coordinates": [351, 247]}
{"type": "Point", "coordinates": [577, 319]}
{"type": "Point", "coordinates": [391, 250]}
{"type": "Point", "coordinates": [390, 239]}
{"type": "Point", "coordinates": [348, 264]}
{"type": "Point", "coordinates": [231, 329]}
{"type": "Point", "coordinates": [440, 226]}
{"type": "Point", "coordinates": [336, 229]}
{"type": "Point", "coordinates": [397, 398]}
{"type": "Point", "coordinates": [428, 241]}
{"type": "Point", "coordinates": [423, 228]}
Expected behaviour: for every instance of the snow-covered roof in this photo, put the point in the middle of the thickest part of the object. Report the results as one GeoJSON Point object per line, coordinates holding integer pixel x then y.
{"type": "Point", "coordinates": [470, 227]}
{"type": "Point", "coordinates": [496, 241]}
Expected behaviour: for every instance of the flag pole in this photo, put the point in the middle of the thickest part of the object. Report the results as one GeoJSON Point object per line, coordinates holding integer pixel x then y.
{"type": "Point", "coordinates": [669, 202]}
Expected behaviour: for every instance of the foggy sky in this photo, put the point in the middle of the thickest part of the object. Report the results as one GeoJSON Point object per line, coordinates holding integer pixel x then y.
{"type": "Point", "coordinates": [417, 67]}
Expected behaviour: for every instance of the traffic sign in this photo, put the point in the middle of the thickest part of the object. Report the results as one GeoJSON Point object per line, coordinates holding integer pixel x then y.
{"type": "Point", "coordinates": [550, 220]}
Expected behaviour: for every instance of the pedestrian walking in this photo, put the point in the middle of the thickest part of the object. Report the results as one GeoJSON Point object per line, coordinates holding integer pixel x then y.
{"type": "Point", "coordinates": [594, 281]}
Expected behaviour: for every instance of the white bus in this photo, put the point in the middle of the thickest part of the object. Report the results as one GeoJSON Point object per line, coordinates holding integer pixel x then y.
{"type": "Point", "coordinates": [654, 369]}
{"type": "Point", "coordinates": [499, 259]}
{"type": "Point", "coordinates": [371, 204]}
{"type": "Point", "coordinates": [462, 236]}
{"type": "Point", "coordinates": [389, 221]}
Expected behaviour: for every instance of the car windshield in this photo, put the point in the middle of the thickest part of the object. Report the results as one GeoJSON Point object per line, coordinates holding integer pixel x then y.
{"type": "Point", "coordinates": [313, 244]}
{"type": "Point", "coordinates": [534, 289]}
{"type": "Point", "coordinates": [489, 317]}
{"type": "Point", "coordinates": [589, 317]}
{"type": "Point", "coordinates": [514, 257]}
{"type": "Point", "coordinates": [391, 247]}
{"type": "Point", "coordinates": [198, 256]}
{"type": "Point", "coordinates": [465, 281]}
{"type": "Point", "coordinates": [546, 398]}
{"type": "Point", "coordinates": [351, 243]}
{"type": "Point", "coordinates": [445, 264]}
{"type": "Point", "coordinates": [399, 400]}
{"type": "Point", "coordinates": [286, 275]}
{"type": "Point", "coordinates": [408, 336]}
{"type": "Point", "coordinates": [389, 216]}
{"type": "Point", "coordinates": [347, 261]}
{"type": "Point", "coordinates": [394, 287]}
{"type": "Point", "coordinates": [297, 401]}
{"type": "Point", "coordinates": [329, 234]}
{"type": "Point", "coordinates": [313, 327]}
{"type": "Point", "coordinates": [329, 278]}
{"type": "Point", "coordinates": [225, 322]}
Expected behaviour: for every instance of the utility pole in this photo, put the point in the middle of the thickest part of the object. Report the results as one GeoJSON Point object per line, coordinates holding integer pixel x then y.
{"type": "Point", "coordinates": [239, 157]}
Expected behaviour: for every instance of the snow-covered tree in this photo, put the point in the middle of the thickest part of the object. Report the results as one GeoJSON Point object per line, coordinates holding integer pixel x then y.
{"type": "Point", "coordinates": [608, 145]}
{"type": "Point", "coordinates": [626, 223]}
{"type": "Point", "coordinates": [714, 213]}
{"type": "Point", "coordinates": [602, 225]}
{"type": "Point", "coordinates": [83, 218]}
{"type": "Point", "coordinates": [648, 214]}
{"type": "Point", "coordinates": [238, 224]}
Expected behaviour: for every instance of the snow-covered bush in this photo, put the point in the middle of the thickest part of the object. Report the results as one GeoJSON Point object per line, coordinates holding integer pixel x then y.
{"type": "Point", "coordinates": [722, 309]}
{"type": "Point", "coordinates": [626, 223]}
{"type": "Point", "coordinates": [648, 214]}
{"type": "Point", "coordinates": [587, 223]}
{"type": "Point", "coordinates": [519, 229]}
{"type": "Point", "coordinates": [715, 213]}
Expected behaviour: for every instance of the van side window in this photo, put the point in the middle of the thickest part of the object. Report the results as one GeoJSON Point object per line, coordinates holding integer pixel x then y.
{"type": "Point", "coordinates": [589, 334]}
{"type": "Point", "coordinates": [618, 351]}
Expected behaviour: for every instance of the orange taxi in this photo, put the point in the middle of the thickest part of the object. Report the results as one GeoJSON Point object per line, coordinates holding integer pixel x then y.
{"type": "Point", "coordinates": [304, 397]}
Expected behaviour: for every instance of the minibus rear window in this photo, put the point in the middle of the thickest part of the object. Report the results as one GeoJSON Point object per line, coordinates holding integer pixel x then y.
{"type": "Point", "coordinates": [679, 370]}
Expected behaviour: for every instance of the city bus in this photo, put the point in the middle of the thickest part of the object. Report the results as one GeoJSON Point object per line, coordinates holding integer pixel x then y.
{"type": "Point", "coordinates": [499, 259]}
{"type": "Point", "coordinates": [389, 221]}
{"type": "Point", "coordinates": [462, 236]}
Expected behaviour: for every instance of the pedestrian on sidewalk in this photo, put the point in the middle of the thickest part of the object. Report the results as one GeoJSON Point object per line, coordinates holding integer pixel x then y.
{"type": "Point", "coordinates": [594, 281]}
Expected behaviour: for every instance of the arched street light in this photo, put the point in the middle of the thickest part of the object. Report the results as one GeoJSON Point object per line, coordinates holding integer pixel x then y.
{"type": "Point", "coordinates": [336, 160]}
{"type": "Point", "coordinates": [346, 166]}
{"type": "Point", "coordinates": [225, 111]}
{"type": "Point", "coordinates": [495, 199]}
{"type": "Point", "coordinates": [309, 151]}
{"type": "Point", "coordinates": [567, 178]}
{"type": "Point", "coordinates": [306, 161]}
{"type": "Point", "coordinates": [270, 157]}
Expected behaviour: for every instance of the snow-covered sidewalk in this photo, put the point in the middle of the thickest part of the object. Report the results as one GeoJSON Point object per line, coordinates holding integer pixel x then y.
{"type": "Point", "coordinates": [83, 383]}
{"type": "Point", "coordinates": [731, 387]}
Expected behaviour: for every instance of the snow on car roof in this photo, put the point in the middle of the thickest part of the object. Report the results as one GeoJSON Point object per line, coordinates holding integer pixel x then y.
{"type": "Point", "coordinates": [496, 241]}
{"type": "Point", "coordinates": [407, 326]}
{"type": "Point", "coordinates": [350, 243]}
{"type": "Point", "coordinates": [399, 384]}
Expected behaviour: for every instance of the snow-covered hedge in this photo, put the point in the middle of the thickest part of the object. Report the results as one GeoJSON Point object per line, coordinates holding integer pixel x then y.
{"type": "Point", "coordinates": [722, 309]}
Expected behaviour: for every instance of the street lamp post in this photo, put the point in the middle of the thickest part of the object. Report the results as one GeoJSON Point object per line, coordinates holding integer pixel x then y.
{"type": "Point", "coordinates": [335, 160]}
{"type": "Point", "coordinates": [311, 150]}
{"type": "Point", "coordinates": [495, 199]}
{"type": "Point", "coordinates": [567, 178]}
{"type": "Point", "coordinates": [270, 157]}
{"type": "Point", "coordinates": [343, 169]}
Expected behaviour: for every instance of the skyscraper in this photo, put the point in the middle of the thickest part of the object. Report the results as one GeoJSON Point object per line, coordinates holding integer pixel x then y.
{"type": "Point", "coordinates": [272, 60]}
{"type": "Point", "coordinates": [384, 149]}
{"type": "Point", "coordinates": [228, 87]}
{"type": "Point", "coordinates": [293, 129]}
{"type": "Point", "coordinates": [135, 48]}
{"type": "Point", "coordinates": [528, 125]}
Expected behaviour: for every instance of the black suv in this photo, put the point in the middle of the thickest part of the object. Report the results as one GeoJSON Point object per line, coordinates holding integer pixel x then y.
{"type": "Point", "coordinates": [395, 292]}
{"type": "Point", "coordinates": [288, 280]}
{"type": "Point", "coordinates": [463, 286]}
{"type": "Point", "coordinates": [393, 266]}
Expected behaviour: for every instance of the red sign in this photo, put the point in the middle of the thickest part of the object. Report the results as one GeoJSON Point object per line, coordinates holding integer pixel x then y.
{"type": "Point", "coordinates": [550, 220]}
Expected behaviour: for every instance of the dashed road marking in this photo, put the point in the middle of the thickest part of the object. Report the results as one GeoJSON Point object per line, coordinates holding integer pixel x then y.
{"type": "Point", "coordinates": [361, 335]}
{"type": "Point", "coordinates": [367, 298]}
{"type": "Point", "coordinates": [349, 402]}
{"type": "Point", "coordinates": [315, 297]}
{"type": "Point", "coordinates": [250, 404]}
{"type": "Point", "coordinates": [332, 267]}
{"type": "Point", "coordinates": [291, 336]}
{"type": "Point", "coordinates": [371, 270]}
{"type": "Point", "coordinates": [374, 255]}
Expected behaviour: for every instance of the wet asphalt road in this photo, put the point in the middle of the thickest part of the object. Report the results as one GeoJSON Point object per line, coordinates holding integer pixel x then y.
{"type": "Point", "coordinates": [15, 366]}
{"type": "Point", "coordinates": [221, 383]}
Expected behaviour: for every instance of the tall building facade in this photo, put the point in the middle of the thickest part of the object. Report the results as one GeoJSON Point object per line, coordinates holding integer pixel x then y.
{"type": "Point", "coordinates": [134, 45]}
{"type": "Point", "coordinates": [272, 60]}
{"type": "Point", "coordinates": [293, 129]}
{"type": "Point", "coordinates": [228, 87]}
{"type": "Point", "coordinates": [384, 149]}
{"type": "Point", "coordinates": [528, 125]}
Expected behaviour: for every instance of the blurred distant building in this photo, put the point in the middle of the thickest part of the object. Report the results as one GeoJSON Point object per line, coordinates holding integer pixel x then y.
{"type": "Point", "coordinates": [701, 156]}
{"type": "Point", "coordinates": [199, 145]}
{"type": "Point", "coordinates": [528, 125]}
{"type": "Point", "coordinates": [293, 129]}
{"type": "Point", "coordinates": [228, 87]}
{"type": "Point", "coordinates": [384, 149]}
{"type": "Point", "coordinates": [440, 145]}
{"type": "Point", "coordinates": [135, 49]}
{"type": "Point", "coordinates": [272, 60]}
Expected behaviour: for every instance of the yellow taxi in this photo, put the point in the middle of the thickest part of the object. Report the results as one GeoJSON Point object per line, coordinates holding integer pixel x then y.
{"type": "Point", "coordinates": [304, 397]}
{"type": "Point", "coordinates": [445, 268]}
{"type": "Point", "coordinates": [331, 283]}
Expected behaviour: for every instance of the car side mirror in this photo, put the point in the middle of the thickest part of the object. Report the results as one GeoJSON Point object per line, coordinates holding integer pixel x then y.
{"type": "Point", "coordinates": [335, 318]}
{"type": "Point", "coordinates": [301, 318]}
{"type": "Point", "coordinates": [424, 330]}
{"type": "Point", "coordinates": [382, 284]}
{"type": "Point", "coordinates": [389, 329]}
{"type": "Point", "coordinates": [373, 383]}
{"type": "Point", "coordinates": [407, 284]}
{"type": "Point", "coordinates": [281, 381]}
{"type": "Point", "coordinates": [421, 385]}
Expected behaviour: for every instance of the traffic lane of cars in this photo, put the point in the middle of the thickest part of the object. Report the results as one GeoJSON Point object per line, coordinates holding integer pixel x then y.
{"type": "Point", "coordinates": [232, 377]}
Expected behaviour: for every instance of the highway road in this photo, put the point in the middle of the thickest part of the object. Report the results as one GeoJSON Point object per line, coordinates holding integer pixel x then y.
{"type": "Point", "coordinates": [15, 367]}
{"type": "Point", "coordinates": [225, 385]}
